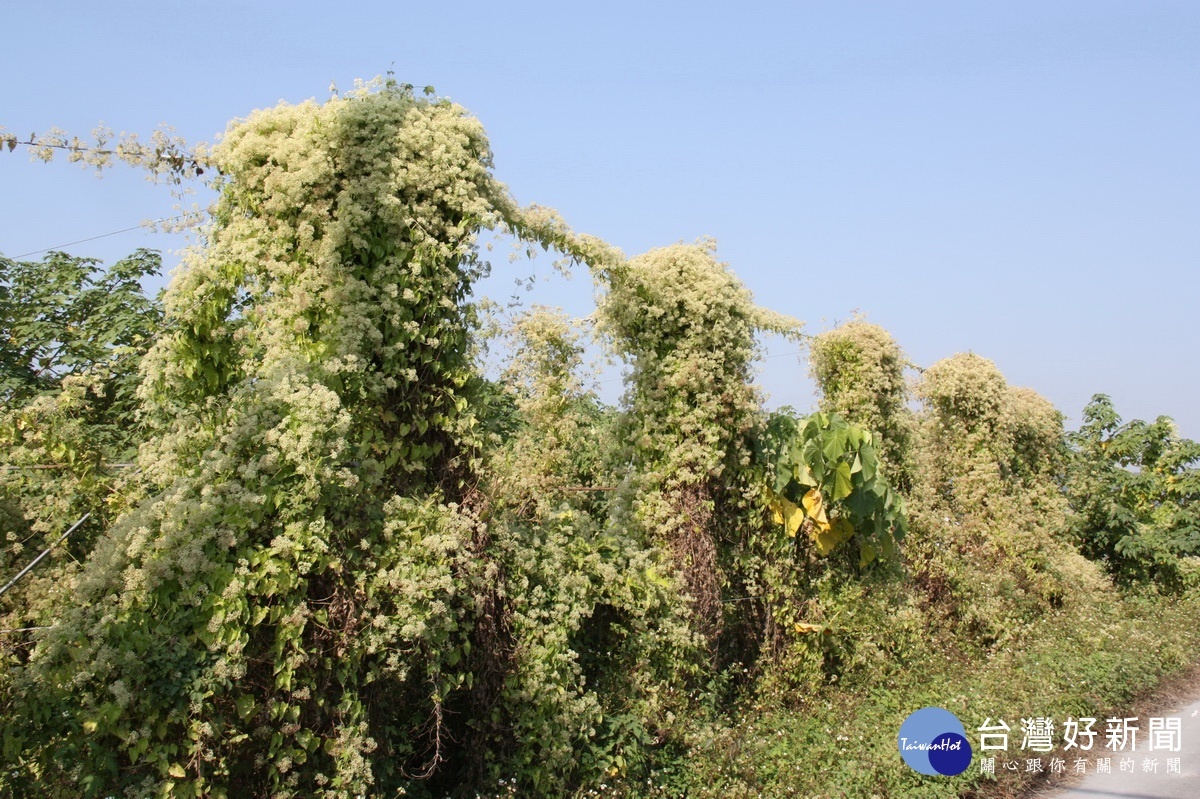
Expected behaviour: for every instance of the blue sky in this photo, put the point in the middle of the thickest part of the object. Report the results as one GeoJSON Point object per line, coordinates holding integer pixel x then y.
{"type": "Point", "coordinates": [1018, 179]}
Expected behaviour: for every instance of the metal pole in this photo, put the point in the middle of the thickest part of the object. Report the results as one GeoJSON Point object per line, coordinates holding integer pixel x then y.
{"type": "Point", "coordinates": [46, 552]}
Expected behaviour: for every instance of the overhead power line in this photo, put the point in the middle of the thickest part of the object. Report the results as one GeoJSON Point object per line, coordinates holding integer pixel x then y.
{"type": "Point", "coordinates": [764, 358]}
{"type": "Point", "coordinates": [101, 236]}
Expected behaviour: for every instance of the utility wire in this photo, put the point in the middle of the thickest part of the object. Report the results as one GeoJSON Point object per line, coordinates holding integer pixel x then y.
{"type": "Point", "coordinates": [101, 236]}
{"type": "Point", "coordinates": [764, 358]}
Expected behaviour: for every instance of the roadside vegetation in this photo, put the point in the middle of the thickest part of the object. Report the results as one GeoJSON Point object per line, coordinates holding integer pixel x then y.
{"type": "Point", "coordinates": [328, 554]}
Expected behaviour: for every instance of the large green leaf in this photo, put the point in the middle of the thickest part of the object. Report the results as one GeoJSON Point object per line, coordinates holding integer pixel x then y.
{"type": "Point", "coordinates": [834, 443]}
{"type": "Point", "coordinates": [841, 481]}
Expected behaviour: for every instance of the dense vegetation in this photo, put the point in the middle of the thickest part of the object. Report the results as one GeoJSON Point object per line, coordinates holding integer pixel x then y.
{"type": "Point", "coordinates": [352, 562]}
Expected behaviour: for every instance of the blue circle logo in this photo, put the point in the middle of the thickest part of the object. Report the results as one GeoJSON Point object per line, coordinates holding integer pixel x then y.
{"type": "Point", "coordinates": [933, 741]}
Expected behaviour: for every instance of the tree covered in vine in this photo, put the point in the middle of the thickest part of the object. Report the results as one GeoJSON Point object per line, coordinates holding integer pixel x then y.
{"type": "Point", "coordinates": [859, 370]}
{"type": "Point", "coordinates": [992, 549]}
{"type": "Point", "coordinates": [324, 586]}
{"type": "Point", "coordinates": [291, 609]}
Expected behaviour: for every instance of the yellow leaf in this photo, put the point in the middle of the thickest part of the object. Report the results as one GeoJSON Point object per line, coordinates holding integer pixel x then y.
{"type": "Point", "coordinates": [785, 512]}
{"type": "Point", "coordinates": [805, 628]}
{"type": "Point", "coordinates": [814, 506]}
{"type": "Point", "coordinates": [828, 538]}
{"type": "Point", "coordinates": [793, 517]}
{"type": "Point", "coordinates": [89, 727]}
{"type": "Point", "coordinates": [824, 541]}
{"type": "Point", "coordinates": [177, 771]}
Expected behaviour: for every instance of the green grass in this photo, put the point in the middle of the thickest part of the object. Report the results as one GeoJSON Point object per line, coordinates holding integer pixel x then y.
{"type": "Point", "coordinates": [840, 739]}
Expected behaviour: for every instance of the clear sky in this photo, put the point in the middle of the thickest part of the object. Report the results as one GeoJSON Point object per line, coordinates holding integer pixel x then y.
{"type": "Point", "coordinates": [1018, 179]}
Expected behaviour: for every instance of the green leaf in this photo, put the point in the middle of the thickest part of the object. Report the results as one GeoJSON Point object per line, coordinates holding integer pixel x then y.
{"type": "Point", "coordinates": [813, 458]}
{"type": "Point", "coordinates": [855, 437]}
{"type": "Point", "coordinates": [804, 475]}
{"type": "Point", "coordinates": [783, 475]}
{"type": "Point", "coordinates": [842, 486]}
{"type": "Point", "coordinates": [307, 740]}
{"type": "Point", "coordinates": [870, 461]}
{"type": "Point", "coordinates": [835, 444]}
{"type": "Point", "coordinates": [887, 547]}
